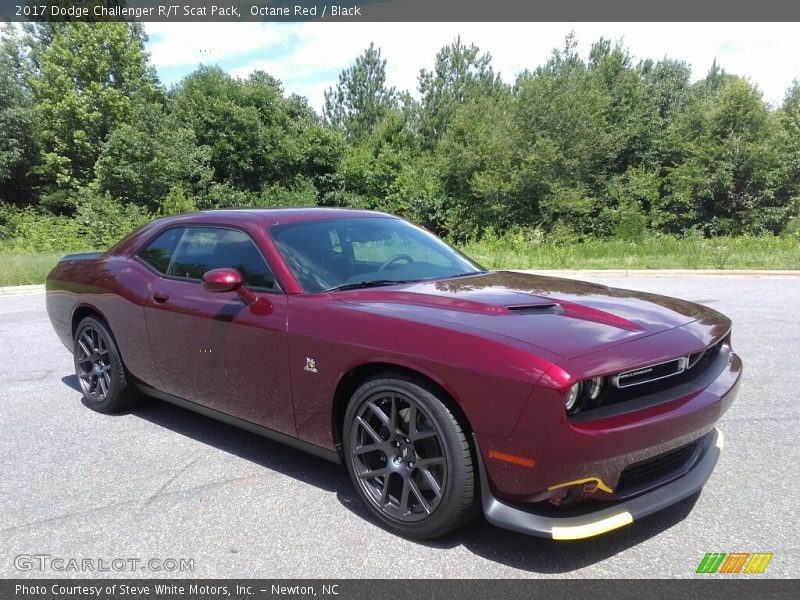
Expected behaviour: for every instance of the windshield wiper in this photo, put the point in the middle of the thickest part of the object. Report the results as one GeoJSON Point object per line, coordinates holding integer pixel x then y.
{"type": "Point", "coordinates": [363, 284]}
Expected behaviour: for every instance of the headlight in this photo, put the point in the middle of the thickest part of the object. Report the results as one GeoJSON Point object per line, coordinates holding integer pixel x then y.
{"type": "Point", "coordinates": [593, 387]}
{"type": "Point", "coordinates": [572, 398]}
{"type": "Point", "coordinates": [589, 390]}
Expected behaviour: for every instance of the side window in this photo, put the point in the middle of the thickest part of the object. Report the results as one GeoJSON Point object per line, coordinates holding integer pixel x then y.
{"type": "Point", "coordinates": [158, 253]}
{"type": "Point", "coordinates": [195, 253]}
{"type": "Point", "coordinates": [201, 249]}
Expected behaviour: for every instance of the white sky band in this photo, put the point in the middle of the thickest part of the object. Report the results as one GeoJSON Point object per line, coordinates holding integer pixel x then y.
{"type": "Point", "coordinates": [307, 57]}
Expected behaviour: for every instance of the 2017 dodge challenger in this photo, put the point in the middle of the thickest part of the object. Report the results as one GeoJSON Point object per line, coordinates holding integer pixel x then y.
{"type": "Point", "coordinates": [560, 408]}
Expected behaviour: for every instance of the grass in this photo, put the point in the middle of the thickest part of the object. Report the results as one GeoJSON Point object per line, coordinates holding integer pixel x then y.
{"type": "Point", "coordinates": [22, 269]}
{"type": "Point", "coordinates": [514, 252]}
{"type": "Point", "coordinates": [656, 252]}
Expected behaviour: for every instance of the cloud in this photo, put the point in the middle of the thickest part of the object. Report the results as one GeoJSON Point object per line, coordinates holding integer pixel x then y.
{"type": "Point", "coordinates": [181, 44]}
{"type": "Point", "coordinates": [307, 57]}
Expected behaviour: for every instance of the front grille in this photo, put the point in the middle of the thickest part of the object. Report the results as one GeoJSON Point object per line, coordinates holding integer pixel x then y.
{"type": "Point", "coordinates": [618, 397]}
{"type": "Point", "coordinates": [641, 474]}
{"type": "Point", "coordinates": [651, 373]}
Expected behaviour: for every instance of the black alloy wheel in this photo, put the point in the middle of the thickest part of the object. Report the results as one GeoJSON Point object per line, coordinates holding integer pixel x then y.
{"type": "Point", "coordinates": [99, 368]}
{"type": "Point", "coordinates": [93, 364]}
{"type": "Point", "coordinates": [408, 458]}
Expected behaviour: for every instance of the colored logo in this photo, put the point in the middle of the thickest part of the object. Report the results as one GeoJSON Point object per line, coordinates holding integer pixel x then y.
{"type": "Point", "coordinates": [735, 562]}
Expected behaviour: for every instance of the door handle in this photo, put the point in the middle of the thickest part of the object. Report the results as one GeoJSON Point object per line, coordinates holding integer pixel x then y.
{"type": "Point", "coordinates": [160, 296]}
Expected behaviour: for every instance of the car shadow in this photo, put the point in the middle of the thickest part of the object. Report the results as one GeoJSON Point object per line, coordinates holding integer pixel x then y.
{"type": "Point", "coordinates": [492, 543]}
{"type": "Point", "coordinates": [541, 555]}
{"type": "Point", "coordinates": [246, 445]}
{"type": "Point", "coordinates": [71, 381]}
{"type": "Point", "coordinates": [551, 557]}
{"type": "Point", "coordinates": [238, 442]}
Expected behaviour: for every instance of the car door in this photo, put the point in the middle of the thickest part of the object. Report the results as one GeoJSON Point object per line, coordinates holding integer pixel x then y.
{"type": "Point", "coordinates": [210, 347]}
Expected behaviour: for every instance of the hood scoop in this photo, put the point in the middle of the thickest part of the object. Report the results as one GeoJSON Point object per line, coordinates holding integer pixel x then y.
{"type": "Point", "coordinates": [537, 309]}
{"type": "Point", "coordinates": [580, 312]}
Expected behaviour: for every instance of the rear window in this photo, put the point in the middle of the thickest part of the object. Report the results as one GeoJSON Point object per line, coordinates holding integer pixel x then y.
{"type": "Point", "coordinates": [158, 253]}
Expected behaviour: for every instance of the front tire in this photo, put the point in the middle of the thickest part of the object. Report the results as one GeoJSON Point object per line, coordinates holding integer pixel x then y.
{"type": "Point", "coordinates": [408, 457]}
{"type": "Point", "coordinates": [99, 368]}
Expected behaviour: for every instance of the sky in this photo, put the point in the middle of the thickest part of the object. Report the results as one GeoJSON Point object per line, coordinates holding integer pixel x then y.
{"type": "Point", "coordinates": [308, 57]}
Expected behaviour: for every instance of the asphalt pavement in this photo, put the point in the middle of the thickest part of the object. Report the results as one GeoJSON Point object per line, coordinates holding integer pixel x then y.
{"type": "Point", "coordinates": [163, 483]}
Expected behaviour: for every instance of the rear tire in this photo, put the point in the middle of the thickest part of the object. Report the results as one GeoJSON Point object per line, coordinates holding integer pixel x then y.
{"type": "Point", "coordinates": [408, 457]}
{"type": "Point", "coordinates": [99, 368]}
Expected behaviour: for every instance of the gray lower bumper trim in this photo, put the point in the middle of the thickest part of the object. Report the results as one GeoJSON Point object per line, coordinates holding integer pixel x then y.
{"type": "Point", "coordinates": [595, 523]}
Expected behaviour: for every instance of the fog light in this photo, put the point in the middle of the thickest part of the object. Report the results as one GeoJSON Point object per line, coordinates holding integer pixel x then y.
{"type": "Point", "coordinates": [572, 398]}
{"type": "Point", "coordinates": [567, 496]}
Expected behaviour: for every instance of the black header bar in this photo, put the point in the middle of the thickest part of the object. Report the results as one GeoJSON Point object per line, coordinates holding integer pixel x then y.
{"type": "Point", "coordinates": [708, 588]}
{"type": "Point", "coordinates": [399, 10]}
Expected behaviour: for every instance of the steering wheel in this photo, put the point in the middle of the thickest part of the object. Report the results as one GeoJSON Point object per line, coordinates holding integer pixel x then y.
{"type": "Point", "coordinates": [393, 260]}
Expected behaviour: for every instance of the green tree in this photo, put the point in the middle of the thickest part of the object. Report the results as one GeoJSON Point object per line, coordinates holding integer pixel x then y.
{"type": "Point", "coordinates": [789, 149]}
{"type": "Point", "coordinates": [90, 77]}
{"type": "Point", "coordinates": [479, 166]}
{"type": "Point", "coordinates": [724, 181]}
{"type": "Point", "coordinates": [142, 160]}
{"type": "Point", "coordinates": [17, 146]}
{"type": "Point", "coordinates": [632, 111]}
{"type": "Point", "coordinates": [566, 140]}
{"type": "Point", "coordinates": [669, 82]}
{"type": "Point", "coordinates": [387, 172]}
{"type": "Point", "coordinates": [318, 147]}
{"type": "Point", "coordinates": [459, 71]}
{"type": "Point", "coordinates": [255, 136]}
{"type": "Point", "coordinates": [369, 169]}
{"type": "Point", "coordinates": [238, 121]}
{"type": "Point", "coordinates": [361, 99]}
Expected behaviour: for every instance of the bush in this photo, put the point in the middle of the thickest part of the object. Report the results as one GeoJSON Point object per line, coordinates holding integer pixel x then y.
{"type": "Point", "coordinates": [99, 222]}
{"type": "Point", "coordinates": [176, 202]}
{"type": "Point", "coordinates": [25, 230]}
{"type": "Point", "coordinates": [301, 193]}
{"type": "Point", "coordinates": [104, 220]}
{"type": "Point", "coordinates": [224, 195]}
{"type": "Point", "coordinates": [562, 234]}
{"type": "Point", "coordinates": [792, 228]}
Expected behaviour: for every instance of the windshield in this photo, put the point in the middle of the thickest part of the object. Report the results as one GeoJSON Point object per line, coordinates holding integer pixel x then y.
{"type": "Point", "coordinates": [360, 252]}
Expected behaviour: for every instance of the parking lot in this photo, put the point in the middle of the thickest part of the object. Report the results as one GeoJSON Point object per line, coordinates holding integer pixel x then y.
{"type": "Point", "coordinates": [163, 483]}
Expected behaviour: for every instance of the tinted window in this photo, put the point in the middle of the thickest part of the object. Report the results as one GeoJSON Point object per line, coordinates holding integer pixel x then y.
{"type": "Point", "coordinates": [159, 252]}
{"type": "Point", "coordinates": [330, 253]}
{"type": "Point", "coordinates": [200, 249]}
{"type": "Point", "coordinates": [394, 243]}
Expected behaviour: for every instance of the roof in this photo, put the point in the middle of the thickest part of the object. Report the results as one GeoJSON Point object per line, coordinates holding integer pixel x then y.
{"type": "Point", "coordinates": [293, 215]}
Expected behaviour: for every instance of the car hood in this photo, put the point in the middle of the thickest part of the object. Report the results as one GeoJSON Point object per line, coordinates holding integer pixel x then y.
{"type": "Point", "coordinates": [566, 317]}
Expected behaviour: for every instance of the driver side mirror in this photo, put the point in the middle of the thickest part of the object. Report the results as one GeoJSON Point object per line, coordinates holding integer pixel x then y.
{"type": "Point", "coordinates": [222, 280]}
{"type": "Point", "coordinates": [228, 280]}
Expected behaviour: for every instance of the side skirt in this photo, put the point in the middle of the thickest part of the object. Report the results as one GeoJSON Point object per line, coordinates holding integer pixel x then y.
{"type": "Point", "coordinates": [266, 432]}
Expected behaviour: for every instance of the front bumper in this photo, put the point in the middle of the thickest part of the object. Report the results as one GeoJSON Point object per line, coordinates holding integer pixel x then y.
{"type": "Point", "coordinates": [568, 451]}
{"type": "Point", "coordinates": [606, 519]}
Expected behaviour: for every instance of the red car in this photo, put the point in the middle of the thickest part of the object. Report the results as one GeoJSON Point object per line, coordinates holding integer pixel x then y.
{"type": "Point", "coordinates": [564, 409]}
